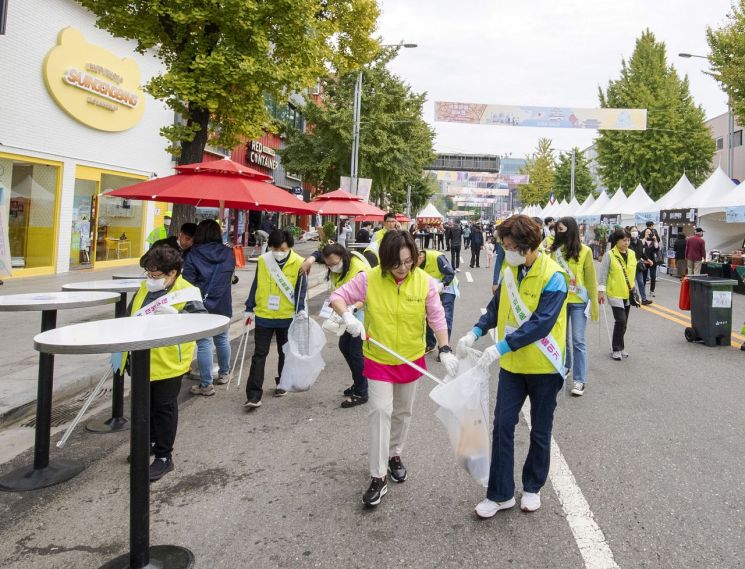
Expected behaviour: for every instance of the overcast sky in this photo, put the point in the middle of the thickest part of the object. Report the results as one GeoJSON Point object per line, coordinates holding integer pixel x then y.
{"type": "Point", "coordinates": [538, 52]}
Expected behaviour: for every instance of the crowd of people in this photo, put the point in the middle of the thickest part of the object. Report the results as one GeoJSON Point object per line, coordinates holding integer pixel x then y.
{"type": "Point", "coordinates": [392, 304]}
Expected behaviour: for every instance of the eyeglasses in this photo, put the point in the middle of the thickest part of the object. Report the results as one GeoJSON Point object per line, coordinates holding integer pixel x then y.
{"type": "Point", "coordinates": [407, 263]}
{"type": "Point", "coordinates": [156, 275]}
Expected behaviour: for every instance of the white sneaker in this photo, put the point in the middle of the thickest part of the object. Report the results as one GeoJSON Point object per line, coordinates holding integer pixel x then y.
{"type": "Point", "coordinates": [487, 508]}
{"type": "Point", "coordinates": [530, 502]}
{"type": "Point", "coordinates": [624, 354]}
{"type": "Point", "coordinates": [617, 356]}
{"type": "Point", "coordinates": [578, 389]}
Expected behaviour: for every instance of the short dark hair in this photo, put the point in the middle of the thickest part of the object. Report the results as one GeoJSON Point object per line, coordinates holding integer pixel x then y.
{"type": "Point", "coordinates": [163, 258]}
{"type": "Point", "coordinates": [650, 223]}
{"type": "Point", "coordinates": [617, 235]}
{"type": "Point", "coordinates": [189, 228]}
{"type": "Point", "coordinates": [342, 253]}
{"type": "Point", "coordinates": [390, 249]}
{"type": "Point", "coordinates": [208, 231]}
{"type": "Point", "coordinates": [524, 232]}
{"type": "Point", "coordinates": [548, 220]}
{"type": "Point", "coordinates": [279, 236]}
{"type": "Point", "coordinates": [388, 216]}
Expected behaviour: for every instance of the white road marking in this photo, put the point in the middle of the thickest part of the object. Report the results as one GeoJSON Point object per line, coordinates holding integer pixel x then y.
{"type": "Point", "coordinates": [469, 277]}
{"type": "Point", "coordinates": [589, 537]}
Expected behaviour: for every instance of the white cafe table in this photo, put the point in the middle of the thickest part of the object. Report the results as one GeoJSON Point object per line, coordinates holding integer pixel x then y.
{"type": "Point", "coordinates": [43, 473]}
{"type": "Point", "coordinates": [127, 276]}
{"type": "Point", "coordinates": [137, 335]}
{"type": "Point", "coordinates": [117, 421]}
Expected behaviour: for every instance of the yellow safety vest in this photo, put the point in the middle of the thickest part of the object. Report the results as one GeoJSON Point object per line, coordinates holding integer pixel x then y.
{"type": "Point", "coordinates": [616, 285]}
{"type": "Point", "coordinates": [266, 287]}
{"type": "Point", "coordinates": [358, 264]}
{"type": "Point", "coordinates": [378, 235]}
{"type": "Point", "coordinates": [430, 264]}
{"type": "Point", "coordinates": [396, 315]}
{"type": "Point", "coordinates": [169, 361]}
{"type": "Point", "coordinates": [547, 242]}
{"type": "Point", "coordinates": [157, 234]}
{"type": "Point", "coordinates": [529, 359]}
{"type": "Point", "coordinates": [577, 266]}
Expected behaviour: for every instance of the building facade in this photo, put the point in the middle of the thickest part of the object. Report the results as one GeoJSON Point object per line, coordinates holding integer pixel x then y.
{"type": "Point", "coordinates": [718, 127]}
{"type": "Point", "coordinates": [74, 124]}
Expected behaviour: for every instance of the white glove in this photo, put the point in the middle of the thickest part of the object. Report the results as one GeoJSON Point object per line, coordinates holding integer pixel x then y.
{"type": "Point", "coordinates": [354, 326]}
{"type": "Point", "coordinates": [490, 355]}
{"type": "Point", "coordinates": [450, 361]}
{"type": "Point", "coordinates": [464, 343]}
{"type": "Point", "coordinates": [248, 319]}
{"type": "Point", "coordinates": [302, 314]}
{"type": "Point", "coordinates": [440, 287]}
{"type": "Point", "coordinates": [165, 309]}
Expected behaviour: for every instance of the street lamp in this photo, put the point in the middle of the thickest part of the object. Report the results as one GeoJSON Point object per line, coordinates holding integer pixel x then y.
{"type": "Point", "coordinates": [354, 170]}
{"type": "Point", "coordinates": [730, 119]}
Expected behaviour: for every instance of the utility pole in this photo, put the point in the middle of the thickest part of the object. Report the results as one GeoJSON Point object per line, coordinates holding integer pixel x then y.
{"type": "Point", "coordinates": [408, 201]}
{"type": "Point", "coordinates": [572, 178]}
{"type": "Point", "coordinates": [354, 172]}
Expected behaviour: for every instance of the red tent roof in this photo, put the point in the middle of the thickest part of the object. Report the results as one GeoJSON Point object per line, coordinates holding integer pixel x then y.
{"type": "Point", "coordinates": [337, 195]}
{"type": "Point", "coordinates": [224, 166]}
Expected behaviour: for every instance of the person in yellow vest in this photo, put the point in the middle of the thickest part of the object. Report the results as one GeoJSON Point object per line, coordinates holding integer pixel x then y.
{"type": "Point", "coordinates": [576, 260]}
{"type": "Point", "coordinates": [436, 265]}
{"type": "Point", "coordinates": [165, 292]}
{"type": "Point", "coordinates": [549, 232]}
{"type": "Point", "coordinates": [371, 251]}
{"type": "Point", "coordinates": [343, 266]}
{"type": "Point", "coordinates": [399, 299]}
{"type": "Point", "coordinates": [276, 293]}
{"type": "Point", "coordinates": [616, 283]}
{"type": "Point", "coordinates": [530, 316]}
{"type": "Point", "coordinates": [160, 232]}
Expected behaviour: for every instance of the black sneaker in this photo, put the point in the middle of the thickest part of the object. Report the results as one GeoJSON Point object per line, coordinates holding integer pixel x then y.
{"type": "Point", "coordinates": [349, 391]}
{"type": "Point", "coordinates": [354, 400]}
{"type": "Point", "coordinates": [378, 488]}
{"type": "Point", "coordinates": [252, 403]}
{"type": "Point", "coordinates": [279, 392]}
{"type": "Point", "coordinates": [647, 302]}
{"type": "Point", "coordinates": [397, 469]}
{"type": "Point", "coordinates": [159, 468]}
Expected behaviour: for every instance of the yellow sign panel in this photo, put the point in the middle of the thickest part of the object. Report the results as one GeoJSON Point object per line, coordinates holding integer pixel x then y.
{"type": "Point", "coordinates": [93, 85]}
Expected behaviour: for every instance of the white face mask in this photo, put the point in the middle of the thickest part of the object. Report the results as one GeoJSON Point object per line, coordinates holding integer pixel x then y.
{"type": "Point", "coordinates": [167, 222]}
{"type": "Point", "coordinates": [337, 268]}
{"type": "Point", "coordinates": [280, 255]}
{"type": "Point", "coordinates": [514, 259]}
{"type": "Point", "coordinates": [154, 285]}
{"type": "Point", "coordinates": [635, 234]}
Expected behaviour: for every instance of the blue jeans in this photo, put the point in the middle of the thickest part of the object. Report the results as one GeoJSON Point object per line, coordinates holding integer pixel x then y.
{"type": "Point", "coordinates": [576, 350]}
{"type": "Point", "coordinates": [351, 349]}
{"type": "Point", "coordinates": [204, 356]}
{"type": "Point", "coordinates": [512, 390]}
{"type": "Point", "coordinates": [640, 284]}
{"type": "Point", "coordinates": [448, 303]}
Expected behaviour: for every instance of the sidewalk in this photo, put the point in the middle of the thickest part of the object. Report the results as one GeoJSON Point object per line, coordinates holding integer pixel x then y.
{"type": "Point", "coordinates": [73, 374]}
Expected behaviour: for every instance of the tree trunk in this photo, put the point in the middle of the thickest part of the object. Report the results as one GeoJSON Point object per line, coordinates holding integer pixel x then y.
{"type": "Point", "coordinates": [191, 152]}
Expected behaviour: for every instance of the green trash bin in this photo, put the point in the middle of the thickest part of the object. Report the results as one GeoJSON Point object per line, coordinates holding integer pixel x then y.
{"type": "Point", "coordinates": [711, 310]}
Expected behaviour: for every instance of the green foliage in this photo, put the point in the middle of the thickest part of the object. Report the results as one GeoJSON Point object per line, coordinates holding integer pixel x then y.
{"type": "Point", "coordinates": [395, 141]}
{"type": "Point", "coordinates": [583, 184]}
{"type": "Point", "coordinates": [297, 232]}
{"type": "Point", "coordinates": [728, 57]}
{"type": "Point", "coordinates": [540, 167]}
{"type": "Point", "coordinates": [676, 140]}
{"type": "Point", "coordinates": [329, 234]}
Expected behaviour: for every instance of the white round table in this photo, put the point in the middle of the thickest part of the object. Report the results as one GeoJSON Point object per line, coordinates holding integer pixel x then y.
{"type": "Point", "coordinates": [137, 335]}
{"type": "Point", "coordinates": [127, 276]}
{"type": "Point", "coordinates": [117, 421]}
{"type": "Point", "coordinates": [43, 473]}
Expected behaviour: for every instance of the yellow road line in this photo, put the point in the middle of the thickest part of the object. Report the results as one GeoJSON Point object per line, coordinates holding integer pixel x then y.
{"type": "Point", "coordinates": [686, 317]}
{"type": "Point", "coordinates": [684, 323]}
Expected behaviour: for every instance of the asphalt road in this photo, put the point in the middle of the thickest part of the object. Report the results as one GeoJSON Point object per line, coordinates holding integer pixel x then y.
{"type": "Point", "coordinates": [655, 449]}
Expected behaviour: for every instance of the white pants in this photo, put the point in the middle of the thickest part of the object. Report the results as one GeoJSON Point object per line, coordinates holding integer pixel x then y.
{"type": "Point", "coordinates": [390, 406]}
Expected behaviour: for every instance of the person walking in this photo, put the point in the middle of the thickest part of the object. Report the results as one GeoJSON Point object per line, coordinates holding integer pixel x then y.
{"type": "Point", "coordinates": [576, 260]}
{"type": "Point", "coordinates": [343, 266]}
{"type": "Point", "coordinates": [467, 236]}
{"type": "Point", "coordinates": [499, 255]}
{"type": "Point", "coordinates": [477, 242]}
{"type": "Point", "coordinates": [210, 267]}
{"type": "Point", "coordinates": [680, 254]}
{"type": "Point", "coordinates": [341, 238]}
{"type": "Point", "coordinates": [651, 245]}
{"type": "Point", "coordinates": [528, 313]}
{"type": "Point", "coordinates": [636, 244]}
{"type": "Point", "coordinates": [436, 265]}
{"type": "Point", "coordinates": [399, 299]}
{"type": "Point", "coordinates": [448, 235]}
{"type": "Point", "coordinates": [456, 238]}
{"type": "Point", "coordinates": [363, 235]}
{"type": "Point", "coordinates": [489, 250]}
{"type": "Point", "coordinates": [165, 291]}
{"type": "Point", "coordinates": [440, 237]}
{"type": "Point", "coordinates": [615, 285]}
{"type": "Point", "coordinates": [276, 293]}
{"type": "Point", "coordinates": [161, 232]}
{"type": "Point", "coordinates": [695, 252]}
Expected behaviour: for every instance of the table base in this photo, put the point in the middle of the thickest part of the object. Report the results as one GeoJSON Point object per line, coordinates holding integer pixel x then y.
{"type": "Point", "coordinates": [111, 425]}
{"type": "Point", "coordinates": [161, 557]}
{"type": "Point", "coordinates": [27, 478]}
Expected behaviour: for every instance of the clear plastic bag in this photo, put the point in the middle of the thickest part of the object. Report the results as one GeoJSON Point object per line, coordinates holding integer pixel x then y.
{"type": "Point", "coordinates": [303, 359]}
{"type": "Point", "coordinates": [463, 409]}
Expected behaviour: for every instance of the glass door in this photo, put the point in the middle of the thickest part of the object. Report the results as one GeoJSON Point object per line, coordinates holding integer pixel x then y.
{"type": "Point", "coordinates": [82, 242]}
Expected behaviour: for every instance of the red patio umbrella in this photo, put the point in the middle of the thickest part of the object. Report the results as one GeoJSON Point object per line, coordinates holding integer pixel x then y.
{"type": "Point", "coordinates": [379, 217]}
{"type": "Point", "coordinates": [224, 166]}
{"type": "Point", "coordinates": [337, 195]}
{"type": "Point", "coordinates": [345, 207]}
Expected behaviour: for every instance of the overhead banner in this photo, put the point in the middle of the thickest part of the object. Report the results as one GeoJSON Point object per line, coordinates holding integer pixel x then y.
{"type": "Point", "coordinates": [551, 117]}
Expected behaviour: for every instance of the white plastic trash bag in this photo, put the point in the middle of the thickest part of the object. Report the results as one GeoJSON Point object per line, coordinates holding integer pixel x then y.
{"type": "Point", "coordinates": [464, 411]}
{"type": "Point", "coordinates": [303, 359]}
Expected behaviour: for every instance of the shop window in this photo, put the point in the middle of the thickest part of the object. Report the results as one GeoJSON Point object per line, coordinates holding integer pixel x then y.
{"type": "Point", "coordinates": [118, 223]}
{"type": "Point", "coordinates": [737, 138]}
{"type": "Point", "coordinates": [720, 143]}
{"type": "Point", "coordinates": [29, 192]}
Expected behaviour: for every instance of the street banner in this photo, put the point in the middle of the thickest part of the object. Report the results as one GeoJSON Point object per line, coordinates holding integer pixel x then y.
{"type": "Point", "coordinates": [645, 216]}
{"type": "Point", "coordinates": [673, 216]}
{"type": "Point", "coordinates": [610, 219]}
{"type": "Point", "coordinates": [364, 185]}
{"type": "Point", "coordinates": [5, 266]}
{"type": "Point", "coordinates": [552, 117]}
{"type": "Point", "coordinates": [735, 214]}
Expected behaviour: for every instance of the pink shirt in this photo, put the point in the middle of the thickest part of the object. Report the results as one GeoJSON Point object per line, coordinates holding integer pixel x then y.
{"type": "Point", "coordinates": [356, 291]}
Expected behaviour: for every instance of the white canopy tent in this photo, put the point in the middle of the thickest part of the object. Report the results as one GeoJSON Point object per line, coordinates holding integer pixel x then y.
{"type": "Point", "coordinates": [639, 200]}
{"type": "Point", "coordinates": [615, 204]}
{"type": "Point", "coordinates": [682, 190]}
{"type": "Point", "coordinates": [561, 211]}
{"type": "Point", "coordinates": [708, 196]}
{"type": "Point", "coordinates": [597, 206]}
{"type": "Point", "coordinates": [585, 206]}
{"type": "Point", "coordinates": [429, 212]}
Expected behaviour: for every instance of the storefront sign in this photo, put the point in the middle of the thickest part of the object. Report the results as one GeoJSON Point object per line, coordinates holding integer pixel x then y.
{"type": "Point", "coordinates": [93, 85]}
{"type": "Point", "coordinates": [673, 216]}
{"type": "Point", "coordinates": [262, 155]}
